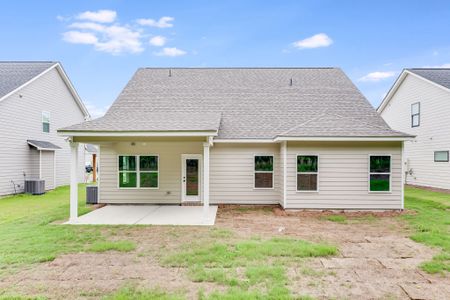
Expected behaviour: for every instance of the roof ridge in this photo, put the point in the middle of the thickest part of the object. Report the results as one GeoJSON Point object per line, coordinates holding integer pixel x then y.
{"type": "Point", "coordinates": [304, 123]}
{"type": "Point", "coordinates": [361, 121]}
{"type": "Point", "coordinates": [240, 68]}
{"type": "Point", "coordinates": [428, 68]}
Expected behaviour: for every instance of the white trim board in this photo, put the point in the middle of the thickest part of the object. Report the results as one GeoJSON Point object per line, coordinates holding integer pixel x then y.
{"type": "Point", "coordinates": [137, 133]}
{"type": "Point", "coordinates": [344, 139]}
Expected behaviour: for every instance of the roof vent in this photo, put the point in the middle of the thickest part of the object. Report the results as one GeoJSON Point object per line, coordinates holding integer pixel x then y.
{"type": "Point", "coordinates": [290, 82]}
{"type": "Point", "coordinates": [170, 72]}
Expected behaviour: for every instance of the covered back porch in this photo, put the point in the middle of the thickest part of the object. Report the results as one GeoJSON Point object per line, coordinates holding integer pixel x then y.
{"type": "Point", "coordinates": [148, 179]}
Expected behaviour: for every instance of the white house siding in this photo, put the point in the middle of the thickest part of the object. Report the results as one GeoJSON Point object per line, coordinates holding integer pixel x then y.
{"type": "Point", "coordinates": [169, 191]}
{"type": "Point", "coordinates": [343, 176]}
{"type": "Point", "coordinates": [232, 171]}
{"type": "Point", "coordinates": [433, 134]}
{"type": "Point", "coordinates": [21, 119]}
{"type": "Point", "coordinates": [47, 170]}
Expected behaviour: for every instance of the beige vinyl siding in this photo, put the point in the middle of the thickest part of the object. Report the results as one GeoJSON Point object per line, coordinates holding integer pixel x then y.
{"type": "Point", "coordinates": [232, 171]}
{"type": "Point", "coordinates": [47, 170]}
{"type": "Point", "coordinates": [343, 176]}
{"type": "Point", "coordinates": [169, 191]}
{"type": "Point", "coordinates": [21, 119]}
{"type": "Point", "coordinates": [433, 134]}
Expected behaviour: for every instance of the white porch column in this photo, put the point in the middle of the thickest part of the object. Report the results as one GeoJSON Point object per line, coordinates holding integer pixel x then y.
{"type": "Point", "coordinates": [284, 168]}
{"type": "Point", "coordinates": [73, 181]}
{"type": "Point", "coordinates": [206, 176]}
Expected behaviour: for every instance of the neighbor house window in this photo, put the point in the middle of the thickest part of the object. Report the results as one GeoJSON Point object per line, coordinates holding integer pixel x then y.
{"type": "Point", "coordinates": [138, 171]}
{"type": "Point", "coordinates": [263, 171]}
{"type": "Point", "coordinates": [380, 173]}
{"type": "Point", "coordinates": [307, 173]}
{"type": "Point", "coordinates": [148, 171]}
{"type": "Point", "coordinates": [441, 156]}
{"type": "Point", "coordinates": [415, 114]}
{"type": "Point", "coordinates": [45, 121]}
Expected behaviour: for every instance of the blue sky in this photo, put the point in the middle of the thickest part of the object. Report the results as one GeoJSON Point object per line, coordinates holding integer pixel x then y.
{"type": "Point", "coordinates": [102, 43]}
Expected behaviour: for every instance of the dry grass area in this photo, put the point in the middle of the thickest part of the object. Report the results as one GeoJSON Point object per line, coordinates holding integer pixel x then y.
{"type": "Point", "coordinates": [375, 259]}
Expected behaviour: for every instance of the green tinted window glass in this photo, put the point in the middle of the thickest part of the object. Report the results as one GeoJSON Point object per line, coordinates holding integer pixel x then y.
{"type": "Point", "coordinates": [264, 163]}
{"type": "Point", "coordinates": [307, 163]}
{"type": "Point", "coordinates": [127, 179]}
{"type": "Point", "coordinates": [380, 164]}
{"type": "Point", "coordinates": [148, 163]}
{"type": "Point", "coordinates": [127, 163]}
{"type": "Point", "coordinates": [379, 182]}
{"type": "Point", "coordinates": [149, 180]}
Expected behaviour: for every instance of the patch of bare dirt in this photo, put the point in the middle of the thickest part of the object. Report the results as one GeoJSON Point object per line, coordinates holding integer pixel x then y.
{"type": "Point", "coordinates": [376, 259]}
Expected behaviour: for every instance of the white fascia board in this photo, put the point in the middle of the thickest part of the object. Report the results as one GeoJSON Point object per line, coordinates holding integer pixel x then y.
{"type": "Point", "coordinates": [256, 141]}
{"type": "Point", "coordinates": [344, 139]}
{"type": "Point", "coordinates": [392, 91]}
{"type": "Point", "coordinates": [73, 91]}
{"type": "Point", "coordinates": [137, 133]}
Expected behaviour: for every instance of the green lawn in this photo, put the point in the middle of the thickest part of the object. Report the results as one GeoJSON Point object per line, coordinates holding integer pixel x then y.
{"type": "Point", "coordinates": [254, 268]}
{"type": "Point", "coordinates": [28, 236]}
{"type": "Point", "coordinates": [431, 224]}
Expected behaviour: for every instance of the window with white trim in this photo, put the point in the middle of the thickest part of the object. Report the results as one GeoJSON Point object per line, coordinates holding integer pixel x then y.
{"type": "Point", "coordinates": [379, 173]}
{"type": "Point", "coordinates": [263, 165]}
{"type": "Point", "coordinates": [441, 156]}
{"type": "Point", "coordinates": [415, 114]}
{"type": "Point", "coordinates": [45, 121]}
{"type": "Point", "coordinates": [138, 171]}
{"type": "Point", "coordinates": [307, 173]}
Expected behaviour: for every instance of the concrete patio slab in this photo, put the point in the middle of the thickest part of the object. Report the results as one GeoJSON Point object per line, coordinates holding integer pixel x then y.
{"type": "Point", "coordinates": [149, 215]}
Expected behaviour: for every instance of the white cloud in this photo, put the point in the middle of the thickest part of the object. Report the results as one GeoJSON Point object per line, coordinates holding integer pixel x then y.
{"type": "Point", "coordinates": [101, 16]}
{"type": "Point", "coordinates": [88, 26]}
{"type": "Point", "coordinates": [315, 41]}
{"type": "Point", "coordinates": [98, 28]}
{"type": "Point", "coordinates": [118, 39]}
{"type": "Point", "coordinates": [77, 37]}
{"type": "Point", "coordinates": [157, 41]}
{"type": "Point", "coordinates": [114, 39]}
{"type": "Point", "coordinates": [171, 52]}
{"type": "Point", "coordinates": [163, 22]}
{"type": "Point", "coordinates": [95, 111]}
{"type": "Point", "coordinates": [377, 76]}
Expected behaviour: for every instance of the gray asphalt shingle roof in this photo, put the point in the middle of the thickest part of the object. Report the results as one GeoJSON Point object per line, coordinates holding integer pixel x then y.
{"type": "Point", "coordinates": [152, 121]}
{"type": "Point", "coordinates": [440, 76]}
{"type": "Point", "coordinates": [15, 74]}
{"type": "Point", "coordinates": [258, 103]}
{"type": "Point", "coordinates": [43, 145]}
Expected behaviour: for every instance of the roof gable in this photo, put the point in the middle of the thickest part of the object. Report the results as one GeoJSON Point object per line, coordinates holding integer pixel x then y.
{"type": "Point", "coordinates": [438, 77]}
{"type": "Point", "coordinates": [16, 75]}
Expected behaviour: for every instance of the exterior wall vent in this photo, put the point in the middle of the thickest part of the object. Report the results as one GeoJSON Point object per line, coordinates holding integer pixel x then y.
{"type": "Point", "coordinates": [35, 186]}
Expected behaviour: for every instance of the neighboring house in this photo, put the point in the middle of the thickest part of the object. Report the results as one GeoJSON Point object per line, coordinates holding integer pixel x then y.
{"type": "Point", "coordinates": [36, 98]}
{"type": "Point", "coordinates": [299, 137]}
{"type": "Point", "coordinates": [419, 104]}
